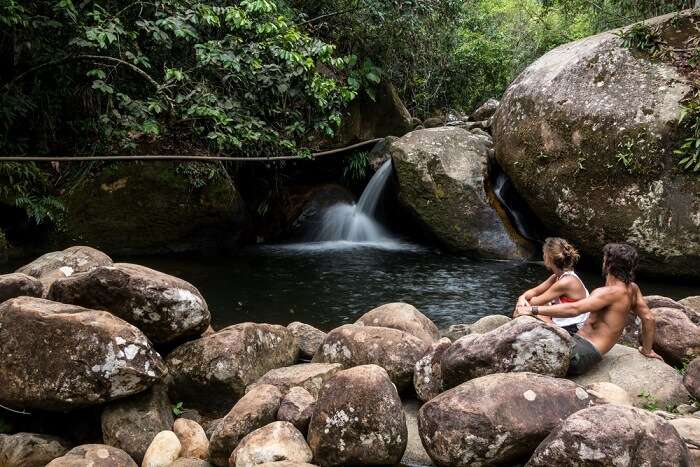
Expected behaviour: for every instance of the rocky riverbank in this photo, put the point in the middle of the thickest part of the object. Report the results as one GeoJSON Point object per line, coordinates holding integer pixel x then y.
{"type": "Point", "coordinates": [104, 363]}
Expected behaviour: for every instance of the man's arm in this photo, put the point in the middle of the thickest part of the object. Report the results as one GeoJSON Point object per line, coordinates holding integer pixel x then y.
{"type": "Point", "coordinates": [648, 326]}
{"type": "Point", "coordinates": [597, 301]}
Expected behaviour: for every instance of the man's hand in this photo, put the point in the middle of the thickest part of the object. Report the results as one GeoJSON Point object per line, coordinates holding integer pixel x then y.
{"type": "Point", "coordinates": [522, 310]}
{"type": "Point", "coordinates": [649, 353]}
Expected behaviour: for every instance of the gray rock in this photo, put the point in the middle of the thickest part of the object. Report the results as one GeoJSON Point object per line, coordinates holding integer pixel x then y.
{"type": "Point", "coordinates": [427, 376]}
{"type": "Point", "coordinates": [163, 450]}
{"type": "Point", "coordinates": [296, 408]}
{"type": "Point", "coordinates": [488, 324]}
{"type": "Point", "coordinates": [131, 424]}
{"type": "Point", "coordinates": [485, 110]}
{"type": "Point", "coordinates": [308, 338]}
{"type": "Point", "coordinates": [189, 462]}
{"type": "Point", "coordinates": [441, 175]}
{"type": "Point", "coordinates": [59, 264]}
{"type": "Point", "coordinates": [358, 420]}
{"type": "Point", "coordinates": [455, 331]}
{"type": "Point", "coordinates": [404, 317]}
{"type": "Point", "coordinates": [691, 379]}
{"type": "Point", "coordinates": [523, 344]}
{"type": "Point", "coordinates": [433, 122]}
{"type": "Point", "coordinates": [164, 307]}
{"type": "Point", "coordinates": [496, 419]}
{"type": "Point", "coordinates": [19, 285]}
{"type": "Point", "coordinates": [278, 441]}
{"type": "Point", "coordinates": [309, 376]}
{"type": "Point", "coordinates": [415, 454]}
{"type": "Point", "coordinates": [693, 303]}
{"type": "Point", "coordinates": [689, 430]}
{"type": "Point", "coordinates": [676, 338]}
{"type": "Point", "coordinates": [30, 449]}
{"type": "Point", "coordinates": [62, 357]}
{"type": "Point", "coordinates": [613, 435]}
{"type": "Point", "coordinates": [93, 455]}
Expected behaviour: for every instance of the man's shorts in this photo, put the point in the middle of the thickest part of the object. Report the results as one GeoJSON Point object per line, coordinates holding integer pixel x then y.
{"type": "Point", "coordinates": [583, 356]}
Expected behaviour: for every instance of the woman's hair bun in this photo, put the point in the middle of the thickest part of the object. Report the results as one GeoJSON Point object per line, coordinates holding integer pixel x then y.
{"type": "Point", "coordinates": [563, 254]}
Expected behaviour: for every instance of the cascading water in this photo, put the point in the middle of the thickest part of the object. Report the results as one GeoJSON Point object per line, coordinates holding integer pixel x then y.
{"type": "Point", "coordinates": [356, 223]}
{"type": "Point", "coordinates": [503, 189]}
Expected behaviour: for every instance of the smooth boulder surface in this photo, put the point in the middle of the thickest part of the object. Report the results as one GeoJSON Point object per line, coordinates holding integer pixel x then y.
{"type": "Point", "coordinates": [496, 419]}
{"type": "Point", "coordinates": [296, 407]}
{"type": "Point", "coordinates": [441, 175]}
{"type": "Point", "coordinates": [358, 420]}
{"type": "Point", "coordinates": [93, 455]}
{"type": "Point", "coordinates": [309, 339]}
{"type": "Point", "coordinates": [415, 454]}
{"type": "Point", "coordinates": [523, 344]}
{"type": "Point", "coordinates": [575, 115]}
{"type": "Point", "coordinates": [637, 374]}
{"type": "Point", "coordinates": [256, 409]}
{"type": "Point", "coordinates": [689, 430]}
{"type": "Point", "coordinates": [691, 302]}
{"type": "Point", "coordinates": [485, 111]}
{"type": "Point", "coordinates": [613, 435]}
{"type": "Point", "coordinates": [691, 379]}
{"type": "Point", "coordinates": [278, 441]}
{"type": "Point", "coordinates": [488, 324]}
{"type": "Point", "coordinates": [676, 338]}
{"type": "Point", "coordinates": [163, 450]}
{"type": "Point", "coordinates": [395, 351]}
{"type": "Point", "coordinates": [19, 285]}
{"type": "Point", "coordinates": [59, 264]}
{"type": "Point", "coordinates": [309, 376]}
{"type": "Point", "coordinates": [60, 357]}
{"type": "Point", "coordinates": [131, 424]}
{"type": "Point", "coordinates": [30, 449]}
{"type": "Point", "coordinates": [427, 376]}
{"type": "Point", "coordinates": [404, 317]}
{"type": "Point", "coordinates": [212, 372]}
{"type": "Point", "coordinates": [164, 307]}
{"type": "Point", "coordinates": [609, 393]}
{"type": "Point", "coordinates": [193, 439]}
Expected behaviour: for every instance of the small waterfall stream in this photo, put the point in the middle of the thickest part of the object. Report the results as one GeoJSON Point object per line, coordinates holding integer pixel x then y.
{"type": "Point", "coordinates": [504, 191]}
{"type": "Point", "coordinates": [356, 223]}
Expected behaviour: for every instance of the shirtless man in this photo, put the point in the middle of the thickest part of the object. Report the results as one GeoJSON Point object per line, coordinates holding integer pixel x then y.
{"type": "Point", "coordinates": [608, 307]}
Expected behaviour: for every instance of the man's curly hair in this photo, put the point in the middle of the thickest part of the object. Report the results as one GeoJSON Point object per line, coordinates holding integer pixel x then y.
{"type": "Point", "coordinates": [620, 260]}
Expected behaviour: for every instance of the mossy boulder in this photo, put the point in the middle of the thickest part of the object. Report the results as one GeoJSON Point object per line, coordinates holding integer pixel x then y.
{"type": "Point", "coordinates": [587, 133]}
{"type": "Point", "coordinates": [442, 178]}
{"type": "Point", "coordinates": [151, 207]}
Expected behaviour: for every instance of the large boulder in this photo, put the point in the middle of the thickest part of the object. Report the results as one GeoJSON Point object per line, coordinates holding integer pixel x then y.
{"type": "Point", "coordinates": [212, 372]}
{"type": "Point", "coordinates": [496, 419]}
{"type": "Point", "coordinates": [156, 207]}
{"type": "Point", "coordinates": [613, 435]}
{"type": "Point", "coordinates": [427, 376]}
{"type": "Point", "coordinates": [256, 409]}
{"type": "Point", "coordinates": [130, 424]}
{"type": "Point", "coordinates": [19, 285]}
{"type": "Point", "coordinates": [163, 450]}
{"type": "Point", "coordinates": [59, 357]}
{"type": "Point", "coordinates": [485, 111]}
{"type": "Point", "coordinates": [598, 122]}
{"type": "Point", "coordinates": [691, 302]}
{"type": "Point", "coordinates": [691, 379]}
{"type": "Point", "coordinates": [193, 439]}
{"type": "Point", "coordinates": [523, 344]}
{"type": "Point", "coordinates": [358, 420]}
{"type": "Point", "coordinates": [309, 376]}
{"type": "Point", "coordinates": [65, 263]}
{"type": "Point", "coordinates": [689, 430]}
{"type": "Point", "coordinates": [441, 175]}
{"type": "Point", "coordinates": [676, 338]}
{"type": "Point", "coordinates": [296, 407]}
{"type": "Point", "coordinates": [278, 441]}
{"type": "Point", "coordinates": [395, 351]}
{"type": "Point", "coordinates": [637, 374]}
{"type": "Point", "coordinates": [309, 339]}
{"type": "Point", "coordinates": [164, 307]}
{"type": "Point", "coordinates": [93, 455]}
{"type": "Point", "coordinates": [403, 317]}
{"type": "Point", "coordinates": [30, 449]}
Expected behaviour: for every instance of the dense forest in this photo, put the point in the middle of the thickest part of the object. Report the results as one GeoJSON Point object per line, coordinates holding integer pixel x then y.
{"type": "Point", "coordinates": [251, 77]}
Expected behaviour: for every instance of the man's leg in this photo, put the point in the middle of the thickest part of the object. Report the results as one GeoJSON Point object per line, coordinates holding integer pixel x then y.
{"type": "Point", "coordinates": [583, 356]}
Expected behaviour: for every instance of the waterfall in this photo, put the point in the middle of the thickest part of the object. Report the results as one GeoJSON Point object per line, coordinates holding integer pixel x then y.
{"type": "Point", "coordinates": [356, 223]}
{"type": "Point", "coordinates": [504, 191]}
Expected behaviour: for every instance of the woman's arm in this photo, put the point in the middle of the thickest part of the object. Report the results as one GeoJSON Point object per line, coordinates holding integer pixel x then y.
{"type": "Point", "coordinates": [561, 288]}
{"type": "Point", "coordinates": [540, 289]}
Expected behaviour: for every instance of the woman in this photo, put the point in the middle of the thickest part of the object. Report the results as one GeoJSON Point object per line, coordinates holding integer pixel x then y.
{"type": "Point", "coordinates": [563, 285]}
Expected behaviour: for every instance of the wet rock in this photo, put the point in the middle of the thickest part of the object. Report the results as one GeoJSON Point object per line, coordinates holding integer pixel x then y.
{"type": "Point", "coordinates": [567, 119]}
{"type": "Point", "coordinates": [65, 263]}
{"type": "Point", "coordinates": [30, 449]}
{"type": "Point", "coordinates": [305, 208]}
{"type": "Point", "coordinates": [164, 307]}
{"type": "Point", "coordinates": [612, 435]}
{"type": "Point", "coordinates": [485, 110]}
{"type": "Point", "coordinates": [380, 152]}
{"type": "Point", "coordinates": [18, 285]}
{"type": "Point", "coordinates": [296, 408]}
{"type": "Point", "coordinates": [212, 372]}
{"type": "Point", "coordinates": [395, 351]}
{"type": "Point", "coordinates": [415, 454]}
{"type": "Point", "coordinates": [358, 419]}
{"type": "Point", "coordinates": [61, 357]}
{"type": "Point", "coordinates": [427, 376]}
{"type": "Point", "coordinates": [496, 419]}
{"type": "Point", "coordinates": [309, 376]}
{"type": "Point", "coordinates": [691, 379]}
{"type": "Point", "coordinates": [131, 424]}
{"type": "Point", "coordinates": [488, 324]}
{"type": "Point", "coordinates": [278, 441]}
{"type": "Point", "coordinates": [609, 393]}
{"type": "Point", "coordinates": [689, 430]}
{"type": "Point", "coordinates": [455, 331]}
{"type": "Point", "coordinates": [637, 374]}
{"type": "Point", "coordinates": [441, 174]}
{"type": "Point", "coordinates": [163, 450]}
{"type": "Point", "coordinates": [403, 317]}
{"type": "Point", "coordinates": [256, 409]}
{"type": "Point", "coordinates": [193, 439]}
{"type": "Point", "coordinates": [93, 455]}
{"type": "Point", "coordinates": [693, 303]}
{"type": "Point", "coordinates": [309, 339]}
{"type": "Point", "coordinates": [523, 344]}
{"type": "Point", "coordinates": [676, 338]}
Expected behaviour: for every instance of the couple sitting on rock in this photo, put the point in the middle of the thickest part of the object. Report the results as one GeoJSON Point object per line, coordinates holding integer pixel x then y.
{"type": "Point", "coordinates": [594, 320]}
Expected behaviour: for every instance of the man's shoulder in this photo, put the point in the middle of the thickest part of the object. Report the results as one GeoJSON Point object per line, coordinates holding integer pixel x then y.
{"type": "Point", "coordinates": [609, 291]}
